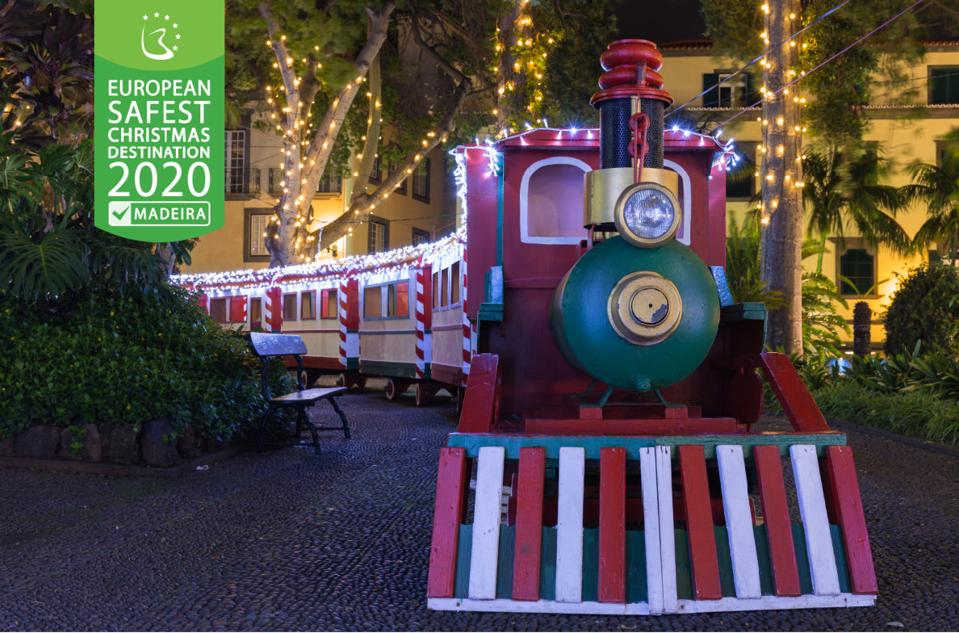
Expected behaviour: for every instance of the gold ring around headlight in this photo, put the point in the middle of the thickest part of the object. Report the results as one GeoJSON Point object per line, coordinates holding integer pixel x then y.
{"type": "Point", "coordinates": [644, 308]}
{"type": "Point", "coordinates": [628, 234]}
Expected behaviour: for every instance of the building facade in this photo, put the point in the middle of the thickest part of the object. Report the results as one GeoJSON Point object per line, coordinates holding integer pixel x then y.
{"type": "Point", "coordinates": [421, 209]}
{"type": "Point", "coordinates": [905, 133]}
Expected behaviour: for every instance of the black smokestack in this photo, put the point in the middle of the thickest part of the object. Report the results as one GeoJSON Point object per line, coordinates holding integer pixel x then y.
{"type": "Point", "coordinates": [632, 74]}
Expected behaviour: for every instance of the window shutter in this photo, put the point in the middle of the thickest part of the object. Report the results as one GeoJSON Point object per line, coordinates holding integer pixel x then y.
{"type": "Point", "coordinates": [711, 98]}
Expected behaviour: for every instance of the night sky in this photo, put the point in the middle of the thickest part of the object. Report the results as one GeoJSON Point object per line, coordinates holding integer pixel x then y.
{"type": "Point", "coordinates": [661, 20]}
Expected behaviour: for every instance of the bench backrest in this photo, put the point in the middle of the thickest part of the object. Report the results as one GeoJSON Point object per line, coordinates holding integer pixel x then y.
{"type": "Point", "coordinates": [266, 344]}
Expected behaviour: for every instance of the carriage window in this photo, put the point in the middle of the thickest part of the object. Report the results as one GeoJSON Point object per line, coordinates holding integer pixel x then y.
{"type": "Point", "coordinates": [328, 308]}
{"type": "Point", "coordinates": [444, 285]}
{"type": "Point", "coordinates": [218, 310]}
{"type": "Point", "coordinates": [307, 308]}
{"type": "Point", "coordinates": [398, 300]}
{"type": "Point", "coordinates": [373, 303]}
{"type": "Point", "coordinates": [256, 313]}
{"type": "Point", "coordinates": [551, 202]}
{"type": "Point", "coordinates": [289, 307]}
{"type": "Point", "coordinates": [436, 289]}
{"type": "Point", "coordinates": [455, 284]}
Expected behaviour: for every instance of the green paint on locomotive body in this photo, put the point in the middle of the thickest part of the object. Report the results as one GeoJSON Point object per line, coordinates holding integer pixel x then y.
{"type": "Point", "coordinates": [583, 331]}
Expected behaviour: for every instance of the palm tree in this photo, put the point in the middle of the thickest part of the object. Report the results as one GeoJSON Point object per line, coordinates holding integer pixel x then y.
{"type": "Point", "coordinates": [938, 187]}
{"type": "Point", "coordinates": [843, 191]}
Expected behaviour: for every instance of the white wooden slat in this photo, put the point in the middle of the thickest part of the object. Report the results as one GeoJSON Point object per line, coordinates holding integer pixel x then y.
{"type": "Point", "coordinates": [486, 522]}
{"type": "Point", "coordinates": [569, 524]}
{"type": "Point", "coordinates": [667, 532]}
{"type": "Point", "coordinates": [654, 562]}
{"type": "Point", "coordinates": [739, 521]}
{"type": "Point", "coordinates": [815, 521]}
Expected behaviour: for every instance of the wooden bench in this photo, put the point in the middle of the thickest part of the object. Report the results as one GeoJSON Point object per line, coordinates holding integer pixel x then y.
{"type": "Point", "coordinates": [267, 346]}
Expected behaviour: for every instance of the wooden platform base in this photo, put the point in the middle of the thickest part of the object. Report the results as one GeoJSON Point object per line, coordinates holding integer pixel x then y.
{"type": "Point", "coordinates": [764, 603]}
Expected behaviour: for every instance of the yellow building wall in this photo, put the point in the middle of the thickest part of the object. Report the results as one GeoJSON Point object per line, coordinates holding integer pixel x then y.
{"type": "Point", "coordinates": [905, 134]}
{"type": "Point", "coordinates": [223, 249]}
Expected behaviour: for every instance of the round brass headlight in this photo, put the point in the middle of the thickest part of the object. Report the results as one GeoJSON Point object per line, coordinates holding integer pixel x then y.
{"type": "Point", "coordinates": [644, 308]}
{"type": "Point", "coordinates": [647, 214]}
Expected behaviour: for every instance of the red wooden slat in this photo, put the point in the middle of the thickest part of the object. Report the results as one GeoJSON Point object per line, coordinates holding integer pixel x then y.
{"type": "Point", "coordinates": [529, 523]}
{"type": "Point", "coordinates": [848, 504]}
{"type": "Point", "coordinates": [612, 525]}
{"type": "Point", "coordinates": [447, 515]}
{"type": "Point", "coordinates": [699, 523]}
{"type": "Point", "coordinates": [797, 402]}
{"type": "Point", "coordinates": [772, 492]}
{"type": "Point", "coordinates": [480, 401]}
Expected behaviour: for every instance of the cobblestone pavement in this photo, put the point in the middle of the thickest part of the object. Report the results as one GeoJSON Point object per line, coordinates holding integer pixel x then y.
{"type": "Point", "coordinates": [284, 540]}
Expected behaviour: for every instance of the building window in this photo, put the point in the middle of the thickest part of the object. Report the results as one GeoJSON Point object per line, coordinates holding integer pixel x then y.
{"type": "Point", "coordinates": [218, 310]}
{"type": "Point", "coordinates": [857, 272]}
{"type": "Point", "coordinates": [379, 236]}
{"type": "Point", "coordinates": [307, 305]}
{"type": "Point", "coordinates": [373, 302]}
{"type": "Point", "coordinates": [328, 307]}
{"type": "Point", "coordinates": [256, 313]}
{"type": "Point", "coordinates": [331, 182]}
{"type": "Point", "coordinates": [728, 90]}
{"type": "Point", "coordinates": [289, 307]}
{"type": "Point", "coordinates": [402, 187]}
{"type": "Point", "coordinates": [420, 236]}
{"type": "Point", "coordinates": [421, 181]}
{"type": "Point", "coordinates": [943, 84]}
{"type": "Point", "coordinates": [256, 223]}
{"type": "Point", "coordinates": [375, 172]}
{"type": "Point", "coordinates": [741, 179]}
{"type": "Point", "coordinates": [275, 180]}
{"type": "Point", "coordinates": [235, 161]}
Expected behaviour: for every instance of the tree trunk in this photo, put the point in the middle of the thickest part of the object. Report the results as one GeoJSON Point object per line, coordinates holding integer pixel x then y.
{"type": "Point", "coordinates": [781, 170]}
{"type": "Point", "coordinates": [303, 171]}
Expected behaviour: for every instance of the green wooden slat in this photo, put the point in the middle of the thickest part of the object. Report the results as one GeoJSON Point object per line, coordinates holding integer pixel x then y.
{"type": "Point", "coordinates": [762, 553]}
{"type": "Point", "coordinates": [725, 561]}
{"type": "Point", "coordinates": [636, 586]}
{"type": "Point", "coordinates": [802, 558]}
{"type": "Point", "coordinates": [504, 562]}
{"type": "Point", "coordinates": [590, 564]}
{"type": "Point", "coordinates": [684, 574]}
{"type": "Point", "coordinates": [547, 566]}
{"type": "Point", "coordinates": [472, 442]}
{"type": "Point", "coordinates": [842, 564]}
{"type": "Point", "coordinates": [463, 552]}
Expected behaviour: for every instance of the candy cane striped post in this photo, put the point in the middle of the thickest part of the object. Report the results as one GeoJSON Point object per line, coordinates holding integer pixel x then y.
{"type": "Point", "coordinates": [274, 309]}
{"type": "Point", "coordinates": [348, 312]}
{"type": "Point", "coordinates": [424, 320]}
{"type": "Point", "coordinates": [467, 328]}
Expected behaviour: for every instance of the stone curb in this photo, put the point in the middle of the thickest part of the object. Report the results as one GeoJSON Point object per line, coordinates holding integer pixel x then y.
{"type": "Point", "coordinates": [120, 470]}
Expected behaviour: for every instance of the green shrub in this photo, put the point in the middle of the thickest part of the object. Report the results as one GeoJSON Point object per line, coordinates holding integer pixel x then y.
{"type": "Point", "coordinates": [925, 309]}
{"type": "Point", "coordinates": [916, 413]}
{"type": "Point", "coordinates": [125, 360]}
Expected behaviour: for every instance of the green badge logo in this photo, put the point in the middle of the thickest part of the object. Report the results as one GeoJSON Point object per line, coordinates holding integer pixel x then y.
{"type": "Point", "coordinates": [159, 118]}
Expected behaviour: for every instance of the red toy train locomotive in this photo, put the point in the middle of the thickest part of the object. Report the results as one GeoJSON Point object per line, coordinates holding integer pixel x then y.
{"type": "Point", "coordinates": [605, 460]}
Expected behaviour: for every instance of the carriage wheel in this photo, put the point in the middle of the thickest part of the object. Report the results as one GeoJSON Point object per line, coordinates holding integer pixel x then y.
{"type": "Point", "coordinates": [424, 393]}
{"type": "Point", "coordinates": [395, 388]}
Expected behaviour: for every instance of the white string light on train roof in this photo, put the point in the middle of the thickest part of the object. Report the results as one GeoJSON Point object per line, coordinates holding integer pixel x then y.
{"type": "Point", "coordinates": [221, 283]}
